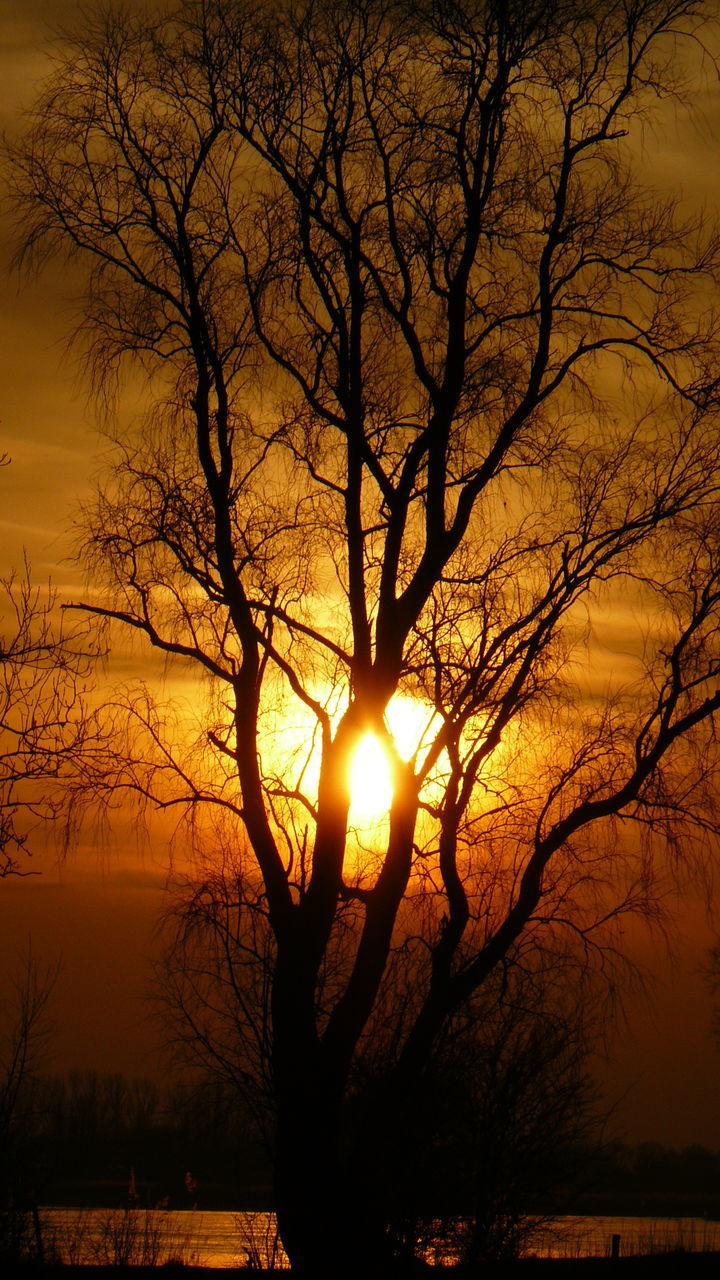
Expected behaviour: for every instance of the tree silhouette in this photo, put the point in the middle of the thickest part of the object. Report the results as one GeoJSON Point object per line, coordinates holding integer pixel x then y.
{"type": "Point", "coordinates": [45, 723]}
{"type": "Point", "coordinates": [432, 399]}
{"type": "Point", "coordinates": [24, 1035]}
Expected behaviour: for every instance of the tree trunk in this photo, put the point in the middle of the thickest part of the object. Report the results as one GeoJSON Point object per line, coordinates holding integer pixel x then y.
{"type": "Point", "coordinates": [329, 1217]}
{"type": "Point", "coordinates": [329, 1208]}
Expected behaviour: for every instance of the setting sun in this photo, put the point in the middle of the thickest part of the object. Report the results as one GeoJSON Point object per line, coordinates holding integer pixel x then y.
{"type": "Point", "coordinates": [370, 780]}
{"type": "Point", "coordinates": [371, 787]}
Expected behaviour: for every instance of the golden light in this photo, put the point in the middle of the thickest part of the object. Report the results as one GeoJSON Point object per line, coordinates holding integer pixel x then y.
{"type": "Point", "coordinates": [410, 722]}
{"type": "Point", "coordinates": [370, 781]}
{"type": "Point", "coordinates": [371, 787]}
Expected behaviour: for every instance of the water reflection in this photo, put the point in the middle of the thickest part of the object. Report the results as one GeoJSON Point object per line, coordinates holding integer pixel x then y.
{"type": "Point", "coordinates": [128, 1237]}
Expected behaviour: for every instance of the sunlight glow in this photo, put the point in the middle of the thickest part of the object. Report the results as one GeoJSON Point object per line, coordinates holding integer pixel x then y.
{"type": "Point", "coordinates": [370, 781]}
{"type": "Point", "coordinates": [371, 786]}
{"type": "Point", "coordinates": [409, 722]}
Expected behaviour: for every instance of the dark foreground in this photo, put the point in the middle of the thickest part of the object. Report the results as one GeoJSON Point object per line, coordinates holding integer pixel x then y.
{"type": "Point", "coordinates": [696, 1266]}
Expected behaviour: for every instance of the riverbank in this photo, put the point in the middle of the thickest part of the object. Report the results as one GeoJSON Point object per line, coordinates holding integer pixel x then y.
{"type": "Point", "coordinates": [666, 1266]}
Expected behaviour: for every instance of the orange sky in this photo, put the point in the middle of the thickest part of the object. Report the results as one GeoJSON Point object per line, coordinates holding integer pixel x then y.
{"type": "Point", "coordinates": [98, 913]}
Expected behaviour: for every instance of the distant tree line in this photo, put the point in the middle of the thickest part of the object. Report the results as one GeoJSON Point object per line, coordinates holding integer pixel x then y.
{"type": "Point", "coordinates": [653, 1178]}
{"type": "Point", "coordinates": [103, 1138]}
{"type": "Point", "coordinates": [90, 1126]}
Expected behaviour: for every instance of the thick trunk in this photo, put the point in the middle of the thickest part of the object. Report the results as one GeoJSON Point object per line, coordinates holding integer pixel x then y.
{"type": "Point", "coordinates": [328, 1216]}
{"type": "Point", "coordinates": [307, 1174]}
{"type": "Point", "coordinates": [328, 1175]}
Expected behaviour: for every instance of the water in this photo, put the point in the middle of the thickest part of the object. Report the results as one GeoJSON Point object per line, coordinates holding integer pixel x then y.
{"type": "Point", "coordinates": [137, 1237]}
{"type": "Point", "coordinates": [217, 1239]}
{"type": "Point", "coordinates": [580, 1237]}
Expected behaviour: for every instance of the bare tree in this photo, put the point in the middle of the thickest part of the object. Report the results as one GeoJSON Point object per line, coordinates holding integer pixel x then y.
{"type": "Point", "coordinates": [213, 985]}
{"type": "Point", "coordinates": [24, 1035]}
{"type": "Point", "coordinates": [500, 1130]}
{"type": "Point", "coordinates": [484, 1142]}
{"type": "Point", "coordinates": [434, 393]}
{"type": "Point", "coordinates": [45, 721]}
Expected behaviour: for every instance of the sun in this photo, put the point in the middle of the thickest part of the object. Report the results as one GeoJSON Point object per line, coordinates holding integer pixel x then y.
{"type": "Point", "coordinates": [371, 774]}
{"type": "Point", "coordinates": [370, 781]}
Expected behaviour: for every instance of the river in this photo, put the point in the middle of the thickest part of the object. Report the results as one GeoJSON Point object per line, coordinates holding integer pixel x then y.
{"type": "Point", "coordinates": [220, 1239]}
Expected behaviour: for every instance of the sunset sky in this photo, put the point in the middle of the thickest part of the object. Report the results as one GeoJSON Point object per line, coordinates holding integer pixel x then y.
{"type": "Point", "coordinates": [98, 911]}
